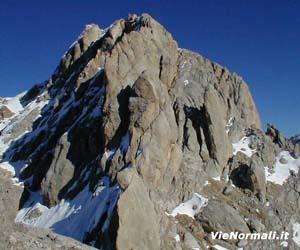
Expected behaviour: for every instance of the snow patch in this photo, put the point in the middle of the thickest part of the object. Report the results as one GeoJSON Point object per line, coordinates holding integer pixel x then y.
{"type": "Point", "coordinates": [177, 238]}
{"type": "Point", "coordinates": [218, 178]}
{"type": "Point", "coordinates": [218, 247]}
{"type": "Point", "coordinates": [191, 207]}
{"type": "Point", "coordinates": [284, 164]}
{"type": "Point", "coordinates": [14, 104]}
{"type": "Point", "coordinates": [229, 124]}
{"type": "Point", "coordinates": [243, 146]}
{"type": "Point", "coordinates": [296, 233]}
{"type": "Point", "coordinates": [73, 218]}
{"type": "Point", "coordinates": [186, 82]}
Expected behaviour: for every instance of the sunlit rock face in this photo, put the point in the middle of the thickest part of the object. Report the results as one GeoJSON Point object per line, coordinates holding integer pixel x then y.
{"type": "Point", "coordinates": [134, 143]}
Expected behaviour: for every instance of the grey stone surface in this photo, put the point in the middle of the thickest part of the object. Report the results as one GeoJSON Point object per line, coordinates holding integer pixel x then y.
{"type": "Point", "coordinates": [217, 216]}
{"type": "Point", "coordinates": [138, 224]}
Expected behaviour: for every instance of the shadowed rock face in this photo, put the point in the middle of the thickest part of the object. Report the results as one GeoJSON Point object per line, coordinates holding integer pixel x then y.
{"type": "Point", "coordinates": [130, 118]}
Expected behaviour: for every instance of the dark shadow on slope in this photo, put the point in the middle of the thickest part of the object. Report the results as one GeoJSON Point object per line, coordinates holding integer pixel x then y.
{"type": "Point", "coordinates": [36, 147]}
{"type": "Point", "coordinates": [241, 177]}
{"type": "Point", "coordinates": [124, 114]}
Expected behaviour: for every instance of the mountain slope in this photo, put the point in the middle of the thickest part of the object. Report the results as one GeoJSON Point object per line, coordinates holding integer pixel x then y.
{"type": "Point", "coordinates": [134, 143]}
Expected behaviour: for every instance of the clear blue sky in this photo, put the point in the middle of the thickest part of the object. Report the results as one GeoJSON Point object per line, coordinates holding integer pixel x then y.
{"type": "Point", "coordinates": [260, 40]}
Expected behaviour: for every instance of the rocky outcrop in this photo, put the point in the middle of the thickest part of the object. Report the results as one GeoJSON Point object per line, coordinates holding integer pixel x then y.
{"type": "Point", "coordinates": [248, 173]}
{"type": "Point", "coordinates": [218, 142]}
{"type": "Point", "coordinates": [5, 112]}
{"type": "Point", "coordinates": [276, 136]}
{"type": "Point", "coordinates": [220, 217]}
{"type": "Point", "coordinates": [128, 128]}
{"type": "Point", "coordinates": [59, 174]}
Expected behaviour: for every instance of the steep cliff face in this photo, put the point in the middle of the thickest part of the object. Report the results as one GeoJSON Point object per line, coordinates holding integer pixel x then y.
{"type": "Point", "coordinates": [134, 143]}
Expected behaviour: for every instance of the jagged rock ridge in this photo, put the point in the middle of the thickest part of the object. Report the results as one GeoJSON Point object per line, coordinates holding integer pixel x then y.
{"type": "Point", "coordinates": [129, 127]}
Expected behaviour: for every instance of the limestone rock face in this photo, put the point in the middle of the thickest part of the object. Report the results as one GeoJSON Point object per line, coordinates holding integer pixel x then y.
{"type": "Point", "coordinates": [122, 145]}
{"type": "Point", "coordinates": [137, 219]}
{"type": "Point", "coordinates": [217, 140]}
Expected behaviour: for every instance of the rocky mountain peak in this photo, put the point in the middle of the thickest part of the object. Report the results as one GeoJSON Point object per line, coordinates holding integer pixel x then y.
{"type": "Point", "coordinates": [134, 143]}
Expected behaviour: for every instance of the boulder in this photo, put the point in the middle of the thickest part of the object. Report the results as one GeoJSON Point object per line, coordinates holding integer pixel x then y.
{"type": "Point", "coordinates": [218, 216]}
